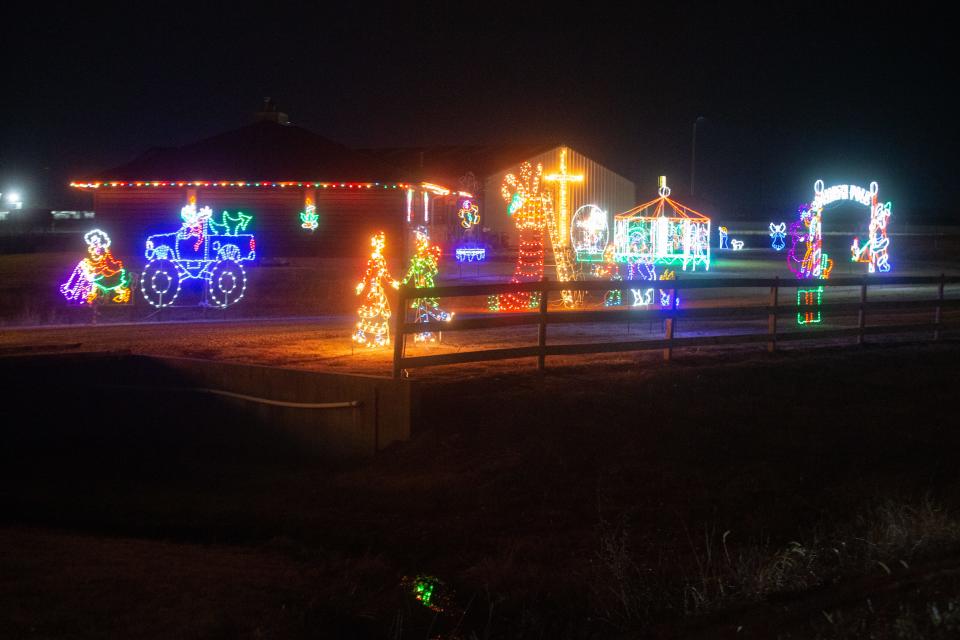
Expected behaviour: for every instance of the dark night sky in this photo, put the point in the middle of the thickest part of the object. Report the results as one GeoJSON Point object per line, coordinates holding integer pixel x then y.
{"type": "Point", "coordinates": [789, 94]}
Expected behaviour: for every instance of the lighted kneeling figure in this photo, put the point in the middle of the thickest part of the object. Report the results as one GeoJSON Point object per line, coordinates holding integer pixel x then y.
{"type": "Point", "coordinates": [98, 276]}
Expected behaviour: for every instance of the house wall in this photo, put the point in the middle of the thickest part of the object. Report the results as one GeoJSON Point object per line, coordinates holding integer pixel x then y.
{"type": "Point", "coordinates": [347, 217]}
{"type": "Point", "coordinates": [602, 187]}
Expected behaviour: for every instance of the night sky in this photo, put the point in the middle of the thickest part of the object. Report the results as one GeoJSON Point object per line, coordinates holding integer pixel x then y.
{"type": "Point", "coordinates": [788, 94]}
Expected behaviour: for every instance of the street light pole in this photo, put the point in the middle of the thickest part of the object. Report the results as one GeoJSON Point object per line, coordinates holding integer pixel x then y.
{"type": "Point", "coordinates": [693, 157]}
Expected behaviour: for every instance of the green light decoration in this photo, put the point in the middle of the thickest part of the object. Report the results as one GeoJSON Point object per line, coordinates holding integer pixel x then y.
{"type": "Point", "coordinates": [428, 591]}
{"type": "Point", "coordinates": [230, 225]}
{"type": "Point", "coordinates": [810, 299]}
{"type": "Point", "coordinates": [422, 273]}
{"type": "Point", "coordinates": [515, 204]}
{"type": "Point", "coordinates": [309, 218]}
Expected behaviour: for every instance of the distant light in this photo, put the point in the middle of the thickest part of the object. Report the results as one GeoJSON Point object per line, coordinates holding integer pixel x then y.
{"type": "Point", "coordinates": [13, 197]}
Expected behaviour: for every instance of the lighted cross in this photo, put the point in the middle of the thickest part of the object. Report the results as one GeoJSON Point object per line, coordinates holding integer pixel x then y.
{"type": "Point", "coordinates": [563, 178]}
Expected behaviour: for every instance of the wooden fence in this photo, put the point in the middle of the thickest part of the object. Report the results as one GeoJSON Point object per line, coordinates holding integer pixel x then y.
{"type": "Point", "coordinates": [543, 317]}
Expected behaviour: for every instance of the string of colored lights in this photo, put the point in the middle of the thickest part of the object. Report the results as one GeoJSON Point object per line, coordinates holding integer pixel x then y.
{"type": "Point", "coordinates": [373, 326]}
{"type": "Point", "coordinates": [99, 275]}
{"type": "Point", "coordinates": [422, 272]}
{"type": "Point", "coordinates": [237, 183]}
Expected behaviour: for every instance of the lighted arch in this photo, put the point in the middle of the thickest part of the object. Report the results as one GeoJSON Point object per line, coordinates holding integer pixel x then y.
{"type": "Point", "coordinates": [875, 250]}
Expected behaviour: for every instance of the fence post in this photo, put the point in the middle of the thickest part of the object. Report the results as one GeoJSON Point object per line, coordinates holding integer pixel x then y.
{"type": "Point", "coordinates": [399, 338]}
{"type": "Point", "coordinates": [542, 328]}
{"type": "Point", "coordinates": [668, 328]}
{"type": "Point", "coordinates": [862, 315]}
{"type": "Point", "coordinates": [772, 316]}
{"type": "Point", "coordinates": [936, 315]}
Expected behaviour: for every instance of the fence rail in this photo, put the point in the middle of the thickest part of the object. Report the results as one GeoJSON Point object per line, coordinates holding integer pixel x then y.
{"type": "Point", "coordinates": [542, 317]}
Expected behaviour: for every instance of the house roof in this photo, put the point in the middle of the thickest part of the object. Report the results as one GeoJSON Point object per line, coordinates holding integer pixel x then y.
{"type": "Point", "coordinates": [263, 151]}
{"type": "Point", "coordinates": [449, 163]}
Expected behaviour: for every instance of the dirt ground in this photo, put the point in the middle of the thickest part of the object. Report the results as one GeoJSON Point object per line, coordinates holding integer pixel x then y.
{"type": "Point", "coordinates": [597, 500]}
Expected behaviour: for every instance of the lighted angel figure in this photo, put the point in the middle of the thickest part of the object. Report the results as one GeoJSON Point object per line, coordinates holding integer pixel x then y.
{"type": "Point", "coordinates": [373, 327]}
{"type": "Point", "coordinates": [422, 272]}
{"type": "Point", "coordinates": [610, 270]}
{"type": "Point", "coordinates": [778, 232]}
{"type": "Point", "coordinates": [98, 275]}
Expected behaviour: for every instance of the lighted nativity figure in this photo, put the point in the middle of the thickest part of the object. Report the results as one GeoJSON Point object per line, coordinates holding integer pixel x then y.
{"type": "Point", "coordinates": [373, 328]}
{"type": "Point", "coordinates": [422, 273]}
{"type": "Point", "coordinates": [98, 277]}
{"type": "Point", "coordinates": [609, 269]}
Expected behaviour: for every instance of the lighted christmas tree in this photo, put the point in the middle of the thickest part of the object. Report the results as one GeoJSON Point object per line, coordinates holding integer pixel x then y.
{"type": "Point", "coordinates": [373, 328]}
{"type": "Point", "coordinates": [527, 204]}
{"type": "Point", "coordinates": [422, 272]}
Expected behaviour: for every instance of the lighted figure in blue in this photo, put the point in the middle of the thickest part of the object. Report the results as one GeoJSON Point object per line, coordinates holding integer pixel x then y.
{"type": "Point", "coordinates": [778, 232]}
{"type": "Point", "coordinates": [723, 238]}
{"type": "Point", "coordinates": [202, 249]}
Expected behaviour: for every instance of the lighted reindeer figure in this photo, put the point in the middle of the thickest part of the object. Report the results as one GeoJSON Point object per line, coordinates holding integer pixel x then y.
{"type": "Point", "coordinates": [528, 206]}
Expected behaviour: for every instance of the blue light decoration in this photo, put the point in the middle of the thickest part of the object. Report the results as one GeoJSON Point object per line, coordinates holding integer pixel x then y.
{"type": "Point", "coordinates": [778, 232]}
{"type": "Point", "coordinates": [470, 254]}
{"type": "Point", "coordinates": [202, 249]}
{"type": "Point", "coordinates": [724, 244]}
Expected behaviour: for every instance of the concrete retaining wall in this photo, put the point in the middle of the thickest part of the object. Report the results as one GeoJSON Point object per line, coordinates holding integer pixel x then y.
{"type": "Point", "coordinates": [384, 413]}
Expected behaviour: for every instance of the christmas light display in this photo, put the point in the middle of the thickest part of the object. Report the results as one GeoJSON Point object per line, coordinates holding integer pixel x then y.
{"type": "Point", "coordinates": [736, 245]}
{"type": "Point", "coordinates": [469, 214]}
{"type": "Point", "coordinates": [874, 250]}
{"type": "Point", "coordinates": [99, 277]}
{"type": "Point", "coordinates": [723, 233]}
{"type": "Point", "coordinates": [530, 206]}
{"type": "Point", "coordinates": [609, 269]}
{"type": "Point", "coordinates": [263, 184]}
{"type": "Point", "coordinates": [202, 249]}
{"type": "Point", "coordinates": [589, 233]}
{"type": "Point", "coordinates": [558, 227]}
{"type": "Point", "coordinates": [422, 273]}
{"type": "Point", "coordinates": [309, 218]}
{"type": "Point", "coordinates": [664, 231]}
{"type": "Point", "coordinates": [778, 232]}
{"type": "Point", "coordinates": [373, 327]}
{"type": "Point", "coordinates": [807, 298]}
{"type": "Point", "coordinates": [471, 254]}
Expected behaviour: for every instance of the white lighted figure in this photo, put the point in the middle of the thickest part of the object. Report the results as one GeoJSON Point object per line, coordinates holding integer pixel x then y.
{"type": "Point", "coordinates": [589, 231]}
{"type": "Point", "coordinates": [736, 244]}
{"type": "Point", "coordinates": [664, 232]}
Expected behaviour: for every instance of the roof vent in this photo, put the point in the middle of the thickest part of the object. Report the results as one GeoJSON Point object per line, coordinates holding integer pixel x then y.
{"type": "Point", "coordinates": [270, 112]}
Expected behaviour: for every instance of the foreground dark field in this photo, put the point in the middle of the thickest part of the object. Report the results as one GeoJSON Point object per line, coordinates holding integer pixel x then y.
{"type": "Point", "coordinates": [807, 494]}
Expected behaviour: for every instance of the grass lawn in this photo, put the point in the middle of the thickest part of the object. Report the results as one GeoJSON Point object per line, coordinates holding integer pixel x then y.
{"type": "Point", "coordinates": [596, 500]}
